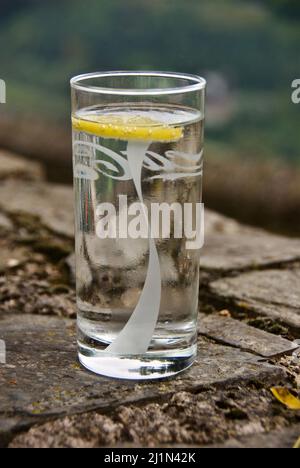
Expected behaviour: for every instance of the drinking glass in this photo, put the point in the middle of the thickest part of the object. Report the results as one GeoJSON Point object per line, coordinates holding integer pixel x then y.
{"type": "Point", "coordinates": [138, 161]}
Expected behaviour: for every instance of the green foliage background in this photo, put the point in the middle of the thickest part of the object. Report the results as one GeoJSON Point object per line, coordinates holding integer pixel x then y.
{"type": "Point", "coordinates": [254, 44]}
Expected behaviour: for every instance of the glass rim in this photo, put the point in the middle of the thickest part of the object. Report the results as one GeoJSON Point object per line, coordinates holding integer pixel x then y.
{"type": "Point", "coordinates": [197, 83]}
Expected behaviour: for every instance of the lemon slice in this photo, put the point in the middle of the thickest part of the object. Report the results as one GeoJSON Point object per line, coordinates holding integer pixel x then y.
{"type": "Point", "coordinates": [127, 127]}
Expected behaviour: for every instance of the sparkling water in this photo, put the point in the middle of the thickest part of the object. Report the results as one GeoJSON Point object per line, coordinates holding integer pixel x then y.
{"type": "Point", "coordinates": [111, 271]}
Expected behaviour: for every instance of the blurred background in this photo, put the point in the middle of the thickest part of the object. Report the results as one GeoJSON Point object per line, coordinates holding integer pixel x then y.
{"type": "Point", "coordinates": [248, 50]}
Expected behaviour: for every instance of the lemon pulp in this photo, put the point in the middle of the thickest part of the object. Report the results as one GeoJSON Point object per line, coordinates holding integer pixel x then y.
{"type": "Point", "coordinates": [126, 126]}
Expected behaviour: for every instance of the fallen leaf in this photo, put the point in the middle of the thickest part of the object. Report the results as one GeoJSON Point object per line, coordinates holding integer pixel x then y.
{"type": "Point", "coordinates": [286, 398]}
{"type": "Point", "coordinates": [297, 444]}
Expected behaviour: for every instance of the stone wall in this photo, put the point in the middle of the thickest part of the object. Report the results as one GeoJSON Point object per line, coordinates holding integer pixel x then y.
{"type": "Point", "coordinates": [248, 322]}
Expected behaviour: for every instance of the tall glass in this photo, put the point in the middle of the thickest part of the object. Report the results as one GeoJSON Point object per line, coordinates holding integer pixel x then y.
{"type": "Point", "coordinates": [138, 157]}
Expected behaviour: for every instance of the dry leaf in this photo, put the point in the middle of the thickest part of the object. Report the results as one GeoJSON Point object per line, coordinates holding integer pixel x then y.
{"type": "Point", "coordinates": [286, 398]}
{"type": "Point", "coordinates": [297, 444]}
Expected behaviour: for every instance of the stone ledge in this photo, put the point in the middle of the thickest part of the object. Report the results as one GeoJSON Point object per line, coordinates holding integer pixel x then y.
{"type": "Point", "coordinates": [15, 166]}
{"type": "Point", "coordinates": [240, 335]}
{"type": "Point", "coordinates": [42, 380]}
{"type": "Point", "coordinates": [229, 245]}
{"type": "Point", "coordinates": [271, 293]}
{"type": "Point", "coordinates": [285, 438]}
{"type": "Point", "coordinates": [53, 204]}
{"type": "Point", "coordinates": [247, 416]}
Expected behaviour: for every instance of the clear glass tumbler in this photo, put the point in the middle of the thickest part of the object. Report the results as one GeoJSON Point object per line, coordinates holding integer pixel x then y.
{"type": "Point", "coordinates": [138, 160]}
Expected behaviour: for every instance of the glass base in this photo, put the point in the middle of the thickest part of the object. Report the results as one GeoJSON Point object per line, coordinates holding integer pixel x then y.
{"type": "Point", "coordinates": [153, 365]}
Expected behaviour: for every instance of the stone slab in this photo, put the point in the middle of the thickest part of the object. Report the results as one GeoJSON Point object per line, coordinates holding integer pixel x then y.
{"type": "Point", "coordinates": [271, 293]}
{"type": "Point", "coordinates": [13, 165]}
{"type": "Point", "coordinates": [240, 415]}
{"type": "Point", "coordinates": [42, 379]}
{"type": "Point", "coordinates": [235, 333]}
{"type": "Point", "coordinates": [52, 203]}
{"type": "Point", "coordinates": [285, 438]}
{"type": "Point", "coordinates": [232, 246]}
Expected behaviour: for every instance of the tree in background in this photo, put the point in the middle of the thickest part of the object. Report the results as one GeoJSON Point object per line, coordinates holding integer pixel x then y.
{"type": "Point", "coordinates": [288, 8]}
{"type": "Point", "coordinates": [9, 7]}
